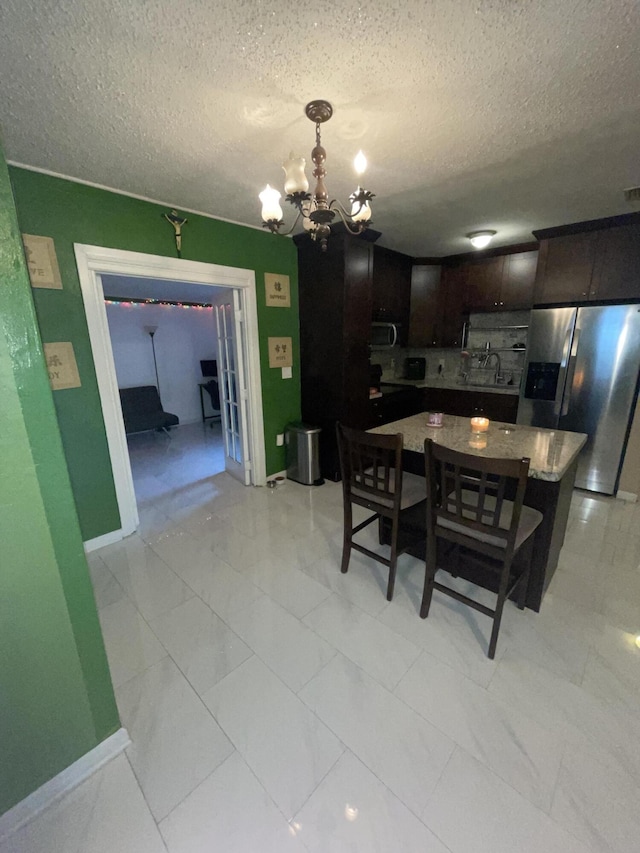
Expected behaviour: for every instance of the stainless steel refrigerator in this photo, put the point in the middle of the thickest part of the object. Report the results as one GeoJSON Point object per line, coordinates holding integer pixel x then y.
{"type": "Point", "coordinates": [582, 375]}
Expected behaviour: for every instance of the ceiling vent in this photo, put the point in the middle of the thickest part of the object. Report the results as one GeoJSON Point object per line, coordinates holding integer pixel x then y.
{"type": "Point", "coordinates": [632, 194]}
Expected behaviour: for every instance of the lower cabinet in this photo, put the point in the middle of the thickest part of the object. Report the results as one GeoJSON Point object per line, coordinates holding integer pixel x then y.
{"type": "Point", "coordinates": [394, 407]}
{"type": "Point", "coordinates": [466, 404]}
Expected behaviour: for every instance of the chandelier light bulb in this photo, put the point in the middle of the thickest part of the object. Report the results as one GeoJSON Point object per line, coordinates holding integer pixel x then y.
{"type": "Point", "coordinates": [481, 239]}
{"type": "Point", "coordinates": [271, 209]}
{"type": "Point", "coordinates": [360, 163]}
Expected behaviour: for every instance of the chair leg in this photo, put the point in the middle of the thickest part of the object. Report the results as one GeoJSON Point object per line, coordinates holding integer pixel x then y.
{"type": "Point", "coordinates": [497, 617]}
{"type": "Point", "coordinates": [346, 538]}
{"type": "Point", "coordinates": [429, 578]}
{"type": "Point", "coordinates": [524, 580]}
{"type": "Point", "coordinates": [393, 561]}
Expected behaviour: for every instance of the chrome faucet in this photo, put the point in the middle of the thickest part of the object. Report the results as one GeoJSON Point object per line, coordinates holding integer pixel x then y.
{"type": "Point", "coordinates": [484, 362]}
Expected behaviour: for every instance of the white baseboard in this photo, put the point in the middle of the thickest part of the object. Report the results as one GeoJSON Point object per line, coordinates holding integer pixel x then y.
{"type": "Point", "coordinates": [627, 496]}
{"type": "Point", "coordinates": [67, 780]}
{"type": "Point", "coordinates": [105, 539]}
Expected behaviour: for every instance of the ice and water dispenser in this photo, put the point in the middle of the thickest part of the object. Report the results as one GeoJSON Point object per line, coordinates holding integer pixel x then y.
{"type": "Point", "coordinates": [542, 380]}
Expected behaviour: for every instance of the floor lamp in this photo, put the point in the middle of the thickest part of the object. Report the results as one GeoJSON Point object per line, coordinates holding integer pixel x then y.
{"type": "Point", "coordinates": [151, 330]}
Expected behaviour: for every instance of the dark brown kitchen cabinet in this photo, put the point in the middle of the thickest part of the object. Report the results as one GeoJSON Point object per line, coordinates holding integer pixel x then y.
{"type": "Point", "coordinates": [483, 283]}
{"type": "Point", "coordinates": [501, 283]}
{"type": "Point", "coordinates": [391, 289]}
{"type": "Point", "coordinates": [518, 280]}
{"type": "Point", "coordinates": [335, 320]}
{"type": "Point", "coordinates": [595, 265]}
{"type": "Point", "coordinates": [565, 268]}
{"type": "Point", "coordinates": [425, 294]}
{"type": "Point", "coordinates": [451, 310]}
{"type": "Point", "coordinates": [466, 404]}
{"type": "Point", "coordinates": [616, 273]}
{"type": "Point", "coordinates": [394, 407]}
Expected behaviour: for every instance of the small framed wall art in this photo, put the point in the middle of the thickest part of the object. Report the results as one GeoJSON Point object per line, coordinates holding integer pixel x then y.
{"type": "Point", "coordinates": [42, 262]}
{"type": "Point", "coordinates": [277, 290]}
{"type": "Point", "coordinates": [280, 352]}
{"type": "Point", "coordinates": [61, 365]}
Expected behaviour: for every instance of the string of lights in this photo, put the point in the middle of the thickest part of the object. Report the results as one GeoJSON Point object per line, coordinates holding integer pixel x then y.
{"type": "Point", "coordinates": [137, 303]}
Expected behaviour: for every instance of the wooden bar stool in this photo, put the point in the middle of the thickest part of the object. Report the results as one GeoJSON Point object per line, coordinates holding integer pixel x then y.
{"type": "Point", "coordinates": [371, 468]}
{"type": "Point", "coordinates": [472, 530]}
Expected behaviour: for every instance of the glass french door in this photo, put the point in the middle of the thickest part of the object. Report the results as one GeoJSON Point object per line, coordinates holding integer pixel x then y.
{"type": "Point", "coordinates": [232, 378]}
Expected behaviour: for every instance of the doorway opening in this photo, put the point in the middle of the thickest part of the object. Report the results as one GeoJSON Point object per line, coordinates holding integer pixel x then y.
{"type": "Point", "coordinates": [232, 292]}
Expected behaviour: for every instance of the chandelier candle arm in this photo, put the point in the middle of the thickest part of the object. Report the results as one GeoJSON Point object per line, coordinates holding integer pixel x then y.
{"type": "Point", "coordinates": [317, 212]}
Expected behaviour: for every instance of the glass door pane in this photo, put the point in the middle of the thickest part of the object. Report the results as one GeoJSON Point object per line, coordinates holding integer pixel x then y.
{"type": "Point", "coordinates": [233, 388]}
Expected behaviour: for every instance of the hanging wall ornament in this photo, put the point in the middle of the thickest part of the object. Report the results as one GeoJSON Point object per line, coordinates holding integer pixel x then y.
{"type": "Point", "coordinates": [177, 222]}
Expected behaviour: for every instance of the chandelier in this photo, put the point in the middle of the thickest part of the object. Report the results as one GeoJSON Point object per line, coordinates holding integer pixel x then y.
{"type": "Point", "coordinates": [316, 210]}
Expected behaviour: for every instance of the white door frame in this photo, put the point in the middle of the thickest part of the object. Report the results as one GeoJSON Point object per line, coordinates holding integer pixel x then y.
{"type": "Point", "coordinates": [92, 261]}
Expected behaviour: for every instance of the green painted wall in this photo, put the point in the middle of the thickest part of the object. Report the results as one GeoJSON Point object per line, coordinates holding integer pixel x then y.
{"type": "Point", "coordinates": [56, 700]}
{"type": "Point", "coordinates": [74, 213]}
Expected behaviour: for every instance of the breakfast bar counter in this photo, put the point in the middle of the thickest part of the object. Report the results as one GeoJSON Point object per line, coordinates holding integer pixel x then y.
{"type": "Point", "coordinates": [552, 471]}
{"type": "Point", "coordinates": [552, 452]}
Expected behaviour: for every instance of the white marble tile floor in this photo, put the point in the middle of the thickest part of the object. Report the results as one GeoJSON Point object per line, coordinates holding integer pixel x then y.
{"type": "Point", "coordinates": [275, 704]}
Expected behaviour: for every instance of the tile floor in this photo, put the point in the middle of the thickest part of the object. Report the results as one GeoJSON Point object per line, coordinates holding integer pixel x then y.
{"type": "Point", "coordinates": [277, 705]}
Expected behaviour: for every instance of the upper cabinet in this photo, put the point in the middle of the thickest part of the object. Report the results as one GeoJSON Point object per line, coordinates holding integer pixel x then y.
{"type": "Point", "coordinates": [451, 308]}
{"type": "Point", "coordinates": [616, 273]}
{"type": "Point", "coordinates": [565, 268]}
{"type": "Point", "coordinates": [501, 283]}
{"type": "Point", "coordinates": [391, 288]}
{"type": "Point", "coordinates": [484, 281]}
{"type": "Point", "coordinates": [437, 305]}
{"type": "Point", "coordinates": [441, 297]}
{"type": "Point", "coordinates": [594, 265]}
{"type": "Point", "coordinates": [518, 280]}
{"type": "Point", "coordinates": [425, 291]}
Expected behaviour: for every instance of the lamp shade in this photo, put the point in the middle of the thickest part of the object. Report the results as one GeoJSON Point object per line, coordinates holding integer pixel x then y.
{"type": "Point", "coordinates": [295, 180]}
{"type": "Point", "coordinates": [481, 239]}
{"type": "Point", "coordinates": [271, 209]}
{"type": "Point", "coordinates": [360, 212]}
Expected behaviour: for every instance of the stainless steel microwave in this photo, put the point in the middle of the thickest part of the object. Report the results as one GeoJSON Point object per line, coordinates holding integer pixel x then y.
{"type": "Point", "coordinates": [384, 335]}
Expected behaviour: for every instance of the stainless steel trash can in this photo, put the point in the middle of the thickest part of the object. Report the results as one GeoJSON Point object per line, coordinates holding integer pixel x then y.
{"type": "Point", "coordinates": [302, 446]}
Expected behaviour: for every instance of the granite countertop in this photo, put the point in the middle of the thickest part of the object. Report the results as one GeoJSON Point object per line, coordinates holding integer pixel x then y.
{"type": "Point", "coordinates": [551, 451]}
{"type": "Point", "coordinates": [435, 382]}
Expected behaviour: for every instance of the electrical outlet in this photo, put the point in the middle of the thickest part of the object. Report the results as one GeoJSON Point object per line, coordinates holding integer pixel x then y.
{"type": "Point", "coordinates": [280, 439]}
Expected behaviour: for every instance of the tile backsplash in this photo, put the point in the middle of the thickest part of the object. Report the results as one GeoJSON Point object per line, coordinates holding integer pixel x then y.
{"type": "Point", "coordinates": [483, 328]}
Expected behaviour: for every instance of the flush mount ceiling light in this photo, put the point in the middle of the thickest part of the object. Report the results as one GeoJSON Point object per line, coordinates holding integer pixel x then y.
{"type": "Point", "coordinates": [316, 210]}
{"type": "Point", "coordinates": [481, 239]}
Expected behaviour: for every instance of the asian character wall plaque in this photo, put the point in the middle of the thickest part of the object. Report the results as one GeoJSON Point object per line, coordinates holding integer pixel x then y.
{"type": "Point", "coordinates": [42, 262]}
{"type": "Point", "coordinates": [277, 290]}
{"type": "Point", "coordinates": [61, 365]}
{"type": "Point", "coordinates": [280, 352]}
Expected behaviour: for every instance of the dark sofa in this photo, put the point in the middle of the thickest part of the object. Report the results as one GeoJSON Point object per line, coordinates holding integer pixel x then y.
{"type": "Point", "coordinates": [142, 410]}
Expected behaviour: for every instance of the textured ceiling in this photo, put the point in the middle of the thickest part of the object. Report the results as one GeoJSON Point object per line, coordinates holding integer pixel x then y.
{"type": "Point", "coordinates": [503, 114]}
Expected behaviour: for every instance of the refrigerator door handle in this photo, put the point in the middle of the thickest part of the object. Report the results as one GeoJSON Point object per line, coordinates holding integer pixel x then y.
{"type": "Point", "coordinates": [571, 369]}
{"type": "Point", "coordinates": [562, 375]}
{"type": "Point", "coordinates": [566, 349]}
